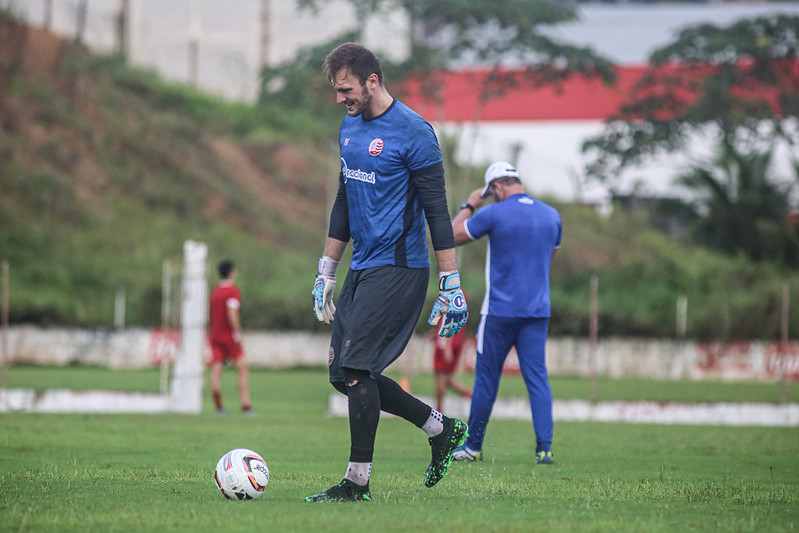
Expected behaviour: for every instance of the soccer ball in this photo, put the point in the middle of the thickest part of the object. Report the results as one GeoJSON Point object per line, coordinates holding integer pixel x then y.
{"type": "Point", "coordinates": [241, 474]}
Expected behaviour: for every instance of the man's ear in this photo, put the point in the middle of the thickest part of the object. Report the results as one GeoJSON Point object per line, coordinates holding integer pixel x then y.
{"type": "Point", "coordinates": [373, 80]}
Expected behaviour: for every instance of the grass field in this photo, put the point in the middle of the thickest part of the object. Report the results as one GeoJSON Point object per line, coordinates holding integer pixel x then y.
{"type": "Point", "coordinates": [563, 387]}
{"type": "Point", "coordinates": [153, 472]}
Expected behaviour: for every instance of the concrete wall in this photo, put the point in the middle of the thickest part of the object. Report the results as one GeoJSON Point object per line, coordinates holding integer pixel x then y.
{"type": "Point", "coordinates": [219, 45]}
{"type": "Point", "coordinates": [615, 358]}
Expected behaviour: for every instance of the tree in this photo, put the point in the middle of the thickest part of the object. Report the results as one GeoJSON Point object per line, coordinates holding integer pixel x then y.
{"type": "Point", "coordinates": [505, 37]}
{"type": "Point", "coordinates": [741, 81]}
{"type": "Point", "coordinates": [299, 84]}
{"type": "Point", "coordinates": [741, 84]}
{"type": "Point", "coordinates": [743, 210]}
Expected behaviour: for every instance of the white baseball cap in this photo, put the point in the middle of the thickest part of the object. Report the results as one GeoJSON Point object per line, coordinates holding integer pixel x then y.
{"type": "Point", "coordinates": [500, 169]}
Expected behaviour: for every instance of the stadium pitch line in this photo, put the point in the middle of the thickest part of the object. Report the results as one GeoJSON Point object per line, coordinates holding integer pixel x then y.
{"type": "Point", "coordinates": [90, 401]}
{"type": "Point", "coordinates": [722, 414]}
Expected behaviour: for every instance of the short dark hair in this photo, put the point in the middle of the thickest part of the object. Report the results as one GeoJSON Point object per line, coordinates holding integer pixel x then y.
{"type": "Point", "coordinates": [225, 268]}
{"type": "Point", "coordinates": [356, 59]}
{"type": "Point", "coordinates": [508, 180]}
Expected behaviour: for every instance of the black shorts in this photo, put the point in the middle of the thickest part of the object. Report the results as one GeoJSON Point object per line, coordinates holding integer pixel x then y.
{"type": "Point", "coordinates": [376, 314]}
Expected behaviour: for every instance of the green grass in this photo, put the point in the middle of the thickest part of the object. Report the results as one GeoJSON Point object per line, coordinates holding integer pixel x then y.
{"type": "Point", "coordinates": [153, 472]}
{"type": "Point", "coordinates": [563, 387]}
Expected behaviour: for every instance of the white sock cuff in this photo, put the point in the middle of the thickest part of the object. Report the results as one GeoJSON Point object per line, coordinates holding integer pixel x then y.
{"type": "Point", "coordinates": [359, 473]}
{"type": "Point", "coordinates": [434, 425]}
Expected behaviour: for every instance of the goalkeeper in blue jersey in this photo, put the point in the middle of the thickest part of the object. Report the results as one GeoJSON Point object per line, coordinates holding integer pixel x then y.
{"type": "Point", "coordinates": [391, 181]}
{"type": "Point", "coordinates": [524, 235]}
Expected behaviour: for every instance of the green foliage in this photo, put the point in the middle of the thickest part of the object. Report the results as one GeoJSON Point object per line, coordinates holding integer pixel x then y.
{"type": "Point", "coordinates": [746, 211]}
{"type": "Point", "coordinates": [300, 85]}
{"type": "Point", "coordinates": [740, 82]}
{"type": "Point", "coordinates": [741, 79]}
{"type": "Point", "coordinates": [641, 274]}
{"type": "Point", "coordinates": [154, 473]}
{"type": "Point", "coordinates": [106, 171]}
{"type": "Point", "coordinates": [110, 169]}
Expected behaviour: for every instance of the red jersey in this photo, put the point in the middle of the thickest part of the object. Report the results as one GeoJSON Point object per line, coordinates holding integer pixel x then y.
{"type": "Point", "coordinates": [456, 341]}
{"type": "Point", "coordinates": [223, 296]}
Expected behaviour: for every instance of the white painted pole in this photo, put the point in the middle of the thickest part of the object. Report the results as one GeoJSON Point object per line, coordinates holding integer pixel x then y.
{"type": "Point", "coordinates": [682, 315]}
{"type": "Point", "coordinates": [5, 332]}
{"type": "Point", "coordinates": [593, 334]}
{"type": "Point", "coordinates": [167, 323]}
{"type": "Point", "coordinates": [786, 295]}
{"type": "Point", "coordinates": [187, 380]}
{"type": "Point", "coordinates": [119, 308]}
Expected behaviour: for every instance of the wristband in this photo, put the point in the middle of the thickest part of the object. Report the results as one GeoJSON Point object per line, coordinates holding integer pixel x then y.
{"type": "Point", "coordinates": [327, 267]}
{"type": "Point", "coordinates": [449, 281]}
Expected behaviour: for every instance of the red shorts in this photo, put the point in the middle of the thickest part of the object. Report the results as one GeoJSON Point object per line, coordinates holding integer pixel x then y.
{"type": "Point", "coordinates": [440, 365]}
{"type": "Point", "coordinates": [225, 351]}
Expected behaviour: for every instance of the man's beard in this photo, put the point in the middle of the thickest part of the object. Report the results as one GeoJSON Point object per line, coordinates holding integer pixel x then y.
{"type": "Point", "coordinates": [364, 105]}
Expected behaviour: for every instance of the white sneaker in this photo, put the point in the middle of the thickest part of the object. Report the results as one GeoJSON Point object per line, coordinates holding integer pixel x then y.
{"type": "Point", "coordinates": [462, 453]}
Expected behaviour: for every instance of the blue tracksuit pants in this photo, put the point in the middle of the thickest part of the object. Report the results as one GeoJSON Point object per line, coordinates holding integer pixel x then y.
{"type": "Point", "coordinates": [495, 337]}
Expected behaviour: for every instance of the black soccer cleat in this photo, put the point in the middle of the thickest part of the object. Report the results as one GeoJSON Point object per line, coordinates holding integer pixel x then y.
{"type": "Point", "coordinates": [442, 446]}
{"type": "Point", "coordinates": [346, 491]}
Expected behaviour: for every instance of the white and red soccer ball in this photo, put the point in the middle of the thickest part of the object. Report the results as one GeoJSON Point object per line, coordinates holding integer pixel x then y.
{"type": "Point", "coordinates": [241, 474]}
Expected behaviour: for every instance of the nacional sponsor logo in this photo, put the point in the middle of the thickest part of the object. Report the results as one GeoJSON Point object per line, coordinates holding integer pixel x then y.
{"type": "Point", "coordinates": [375, 147]}
{"type": "Point", "coordinates": [330, 355]}
{"type": "Point", "coordinates": [526, 200]}
{"type": "Point", "coordinates": [356, 174]}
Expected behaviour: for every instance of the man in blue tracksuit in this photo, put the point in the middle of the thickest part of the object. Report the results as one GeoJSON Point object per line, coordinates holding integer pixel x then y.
{"type": "Point", "coordinates": [524, 235]}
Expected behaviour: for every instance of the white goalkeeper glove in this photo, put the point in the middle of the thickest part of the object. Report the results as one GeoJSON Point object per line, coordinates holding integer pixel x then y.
{"type": "Point", "coordinates": [323, 289]}
{"type": "Point", "coordinates": [450, 304]}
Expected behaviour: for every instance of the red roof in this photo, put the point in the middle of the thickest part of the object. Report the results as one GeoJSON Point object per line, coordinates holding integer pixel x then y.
{"type": "Point", "coordinates": [577, 99]}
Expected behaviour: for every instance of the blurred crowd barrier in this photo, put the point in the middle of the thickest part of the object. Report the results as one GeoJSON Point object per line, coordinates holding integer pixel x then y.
{"type": "Point", "coordinates": [615, 357]}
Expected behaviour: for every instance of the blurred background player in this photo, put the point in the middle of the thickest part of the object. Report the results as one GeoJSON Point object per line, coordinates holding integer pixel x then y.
{"type": "Point", "coordinates": [524, 235]}
{"type": "Point", "coordinates": [446, 356]}
{"type": "Point", "coordinates": [225, 337]}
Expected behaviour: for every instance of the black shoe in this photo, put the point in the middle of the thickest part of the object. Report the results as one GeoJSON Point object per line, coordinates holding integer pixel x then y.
{"type": "Point", "coordinates": [442, 446]}
{"type": "Point", "coordinates": [346, 491]}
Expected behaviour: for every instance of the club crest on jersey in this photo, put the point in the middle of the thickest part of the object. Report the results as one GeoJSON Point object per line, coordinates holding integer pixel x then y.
{"type": "Point", "coordinates": [330, 355]}
{"type": "Point", "coordinates": [458, 302]}
{"type": "Point", "coordinates": [375, 147]}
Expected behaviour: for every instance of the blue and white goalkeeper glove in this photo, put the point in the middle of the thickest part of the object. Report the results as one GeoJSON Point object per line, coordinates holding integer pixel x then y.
{"type": "Point", "coordinates": [323, 289]}
{"type": "Point", "coordinates": [450, 304]}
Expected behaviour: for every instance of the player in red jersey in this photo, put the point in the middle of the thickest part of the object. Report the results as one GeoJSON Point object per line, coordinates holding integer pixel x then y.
{"type": "Point", "coordinates": [225, 337]}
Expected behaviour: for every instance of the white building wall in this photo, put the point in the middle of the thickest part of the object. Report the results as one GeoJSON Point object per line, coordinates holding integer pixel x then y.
{"type": "Point", "coordinates": [551, 164]}
{"type": "Point", "coordinates": [238, 36]}
{"type": "Point", "coordinates": [234, 37]}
